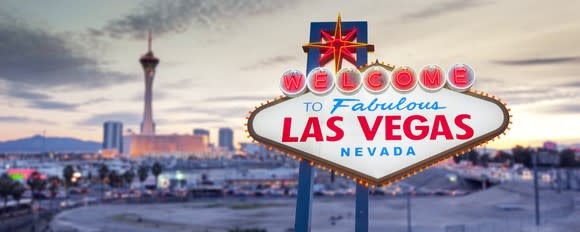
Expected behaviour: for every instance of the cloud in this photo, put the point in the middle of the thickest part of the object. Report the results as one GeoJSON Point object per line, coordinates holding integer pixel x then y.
{"type": "Point", "coordinates": [535, 95]}
{"type": "Point", "coordinates": [170, 16]}
{"type": "Point", "coordinates": [94, 101]}
{"type": "Point", "coordinates": [573, 84]}
{"type": "Point", "coordinates": [438, 9]}
{"type": "Point", "coordinates": [39, 100]}
{"type": "Point", "coordinates": [189, 121]}
{"type": "Point", "coordinates": [52, 105]}
{"type": "Point", "coordinates": [567, 108]}
{"type": "Point", "coordinates": [214, 112]}
{"type": "Point", "coordinates": [540, 61]}
{"type": "Point", "coordinates": [39, 58]}
{"type": "Point", "coordinates": [23, 93]}
{"type": "Point", "coordinates": [19, 119]}
{"type": "Point", "coordinates": [158, 95]}
{"type": "Point", "coordinates": [257, 99]}
{"type": "Point", "coordinates": [98, 119]}
{"type": "Point", "coordinates": [178, 84]}
{"type": "Point", "coordinates": [281, 59]}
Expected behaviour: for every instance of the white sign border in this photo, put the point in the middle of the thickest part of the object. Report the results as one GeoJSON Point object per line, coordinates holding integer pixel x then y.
{"type": "Point", "coordinates": [393, 177]}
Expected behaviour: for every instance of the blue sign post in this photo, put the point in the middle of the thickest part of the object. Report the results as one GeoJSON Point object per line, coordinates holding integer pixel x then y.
{"type": "Point", "coordinates": [306, 172]}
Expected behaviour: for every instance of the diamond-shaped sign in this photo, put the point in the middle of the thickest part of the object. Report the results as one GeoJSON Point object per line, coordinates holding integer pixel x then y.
{"type": "Point", "coordinates": [379, 137]}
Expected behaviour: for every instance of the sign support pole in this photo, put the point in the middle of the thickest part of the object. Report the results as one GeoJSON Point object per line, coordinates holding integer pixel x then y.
{"type": "Point", "coordinates": [306, 173]}
{"type": "Point", "coordinates": [304, 198]}
{"type": "Point", "coordinates": [362, 193]}
{"type": "Point", "coordinates": [536, 192]}
{"type": "Point", "coordinates": [361, 222]}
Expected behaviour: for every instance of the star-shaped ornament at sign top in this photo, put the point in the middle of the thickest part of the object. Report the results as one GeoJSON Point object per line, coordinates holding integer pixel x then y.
{"type": "Point", "coordinates": [338, 46]}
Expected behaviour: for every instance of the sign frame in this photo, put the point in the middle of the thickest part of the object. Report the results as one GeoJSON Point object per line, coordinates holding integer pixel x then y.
{"type": "Point", "coordinates": [402, 173]}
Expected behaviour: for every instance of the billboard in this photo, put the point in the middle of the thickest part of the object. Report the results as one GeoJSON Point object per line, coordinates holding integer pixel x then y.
{"type": "Point", "coordinates": [377, 123]}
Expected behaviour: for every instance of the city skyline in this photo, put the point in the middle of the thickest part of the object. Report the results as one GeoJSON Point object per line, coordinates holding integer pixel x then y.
{"type": "Point", "coordinates": [86, 70]}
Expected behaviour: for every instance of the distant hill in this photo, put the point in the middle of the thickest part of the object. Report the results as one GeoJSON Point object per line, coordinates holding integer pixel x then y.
{"type": "Point", "coordinates": [53, 144]}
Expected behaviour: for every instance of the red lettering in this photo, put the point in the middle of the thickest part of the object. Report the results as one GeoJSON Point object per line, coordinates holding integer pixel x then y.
{"type": "Point", "coordinates": [320, 80]}
{"type": "Point", "coordinates": [369, 133]}
{"type": "Point", "coordinates": [459, 77]}
{"type": "Point", "coordinates": [286, 131]}
{"type": "Point", "coordinates": [466, 128]}
{"type": "Point", "coordinates": [374, 80]}
{"type": "Point", "coordinates": [424, 129]}
{"type": "Point", "coordinates": [293, 82]}
{"type": "Point", "coordinates": [312, 125]}
{"type": "Point", "coordinates": [346, 84]}
{"type": "Point", "coordinates": [440, 127]}
{"type": "Point", "coordinates": [404, 79]}
{"type": "Point", "coordinates": [431, 78]}
{"type": "Point", "coordinates": [390, 127]}
{"type": "Point", "coordinates": [338, 132]}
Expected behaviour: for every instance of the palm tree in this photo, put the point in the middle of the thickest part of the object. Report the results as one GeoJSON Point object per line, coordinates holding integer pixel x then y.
{"type": "Point", "coordinates": [6, 187]}
{"type": "Point", "coordinates": [143, 173]}
{"type": "Point", "coordinates": [129, 175]}
{"type": "Point", "coordinates": [115, 179]}
{"type": "Point", "coordinates": [54, 183]}
{"type": "Point", "coordinates": [36, 183]}
{"type": "Point", "coordinates": [67, 174]}
{"type": "Point", "coordinates": [103, 172]}
{"type": "Point", "coordinates": [17, 192]}
{"type": "Point", "coordinates": [157, 169]}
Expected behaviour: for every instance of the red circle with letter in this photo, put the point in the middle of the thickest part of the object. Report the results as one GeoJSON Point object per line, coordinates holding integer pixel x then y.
{"type": "Point", "coordinates": [432, 78]}
{"type": "Point", "coordinates": [460, 77]}
{"type": "Point", "coordinates": [404, 79]}
{"type": "Point", "coordinates": [348, 80]}
{"type": "Point", "coordinates": [376, 79]}
{"type": "Point", "coordinates": [293, 83]}
{"type": "Point", "coordinates": [320, 80]}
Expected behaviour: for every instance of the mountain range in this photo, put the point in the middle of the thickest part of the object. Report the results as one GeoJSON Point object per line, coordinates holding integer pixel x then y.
{"type": "Point", "coordinates": [40, 143]}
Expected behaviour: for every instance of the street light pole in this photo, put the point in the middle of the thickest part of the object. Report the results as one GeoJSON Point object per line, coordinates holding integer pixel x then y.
{"type": "Point", "coordinates": [536, 196]}
{"type": "Point", "coordinates": [409, 211]}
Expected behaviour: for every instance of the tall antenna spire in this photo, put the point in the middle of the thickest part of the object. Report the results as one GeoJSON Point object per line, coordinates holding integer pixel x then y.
{"type": "Point", "coordinates": [149, 44]}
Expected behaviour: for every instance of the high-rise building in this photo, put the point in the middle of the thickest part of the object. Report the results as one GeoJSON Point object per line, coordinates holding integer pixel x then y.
{"type": "Point", "coordinates": [149, 63]}
{"type": "Point", "coordinates": [150, 143]}
{"type": "Point", "coordinates": [226, 138]}
{"type": "Point", "coordinates": [113, 136]}
{"type": "Point", "coordinates": [200, 131]}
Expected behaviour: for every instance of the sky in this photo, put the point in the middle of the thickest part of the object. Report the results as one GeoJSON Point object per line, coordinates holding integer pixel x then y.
{"type": "Point", "coordinates": [66, 67]}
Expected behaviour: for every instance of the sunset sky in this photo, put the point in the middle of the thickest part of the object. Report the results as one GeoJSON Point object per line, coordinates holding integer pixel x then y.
{"type": "Point", "coordinates": [67, 66]}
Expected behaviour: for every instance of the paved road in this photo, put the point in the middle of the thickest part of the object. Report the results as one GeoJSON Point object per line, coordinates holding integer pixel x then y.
{"type": "Point", "coordinates": [501, 208]}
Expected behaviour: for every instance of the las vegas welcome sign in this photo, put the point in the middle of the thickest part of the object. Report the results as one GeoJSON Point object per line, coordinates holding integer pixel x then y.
{"type": "Point", "coordinates": [378, 124]}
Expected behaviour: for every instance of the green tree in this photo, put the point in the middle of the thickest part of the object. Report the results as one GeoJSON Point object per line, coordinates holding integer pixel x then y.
{"type": "Point", "coordinates": [458, 158]}
{"type": "Point", "coordinates": [568, 162]}
{"type": "Point", "coordinates": [17, 192]}
{"type": "Point", "coordinates": [90, 177]}
{"type": "Point", "coordinates": [484, 159]}
{"type": "Point", "coordinates": [115, 179]}
{"type": "Point", "coordinates": [157, 169]}
{"type": "Point", "coordinates": [503, 157]}
{"type": "Point", "coordinates": [129, 175]}
{"type": "Point", "coordinates": [53, 185]}
{"type": "Point", "coordinates": [36, 183]}
{"type": "Point", "coordinates": [6, 187]}
{"type": "Point", "coordinates": [523, 155]}
{"type": "Point", "coordinates": [143, 173]}
{"type": "Point", "coordinates": [67, 174]}
{"type": "Point", "coordinates": [568, 158]}
{"type": "Point", "coordinates": [103, 173]}
{"type": "Point", "coordinates": [472, 156]}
